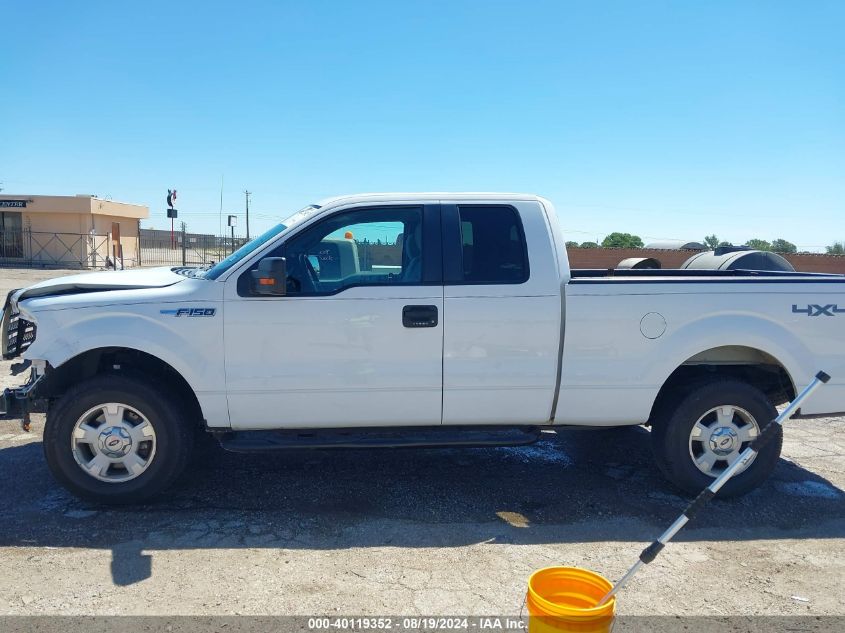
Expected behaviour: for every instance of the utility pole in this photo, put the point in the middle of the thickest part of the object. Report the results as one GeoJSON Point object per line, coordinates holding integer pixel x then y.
{"type": "Point", "coordinates": [247, 194]}
{"type": "Point", "coordinates": [220, 215]}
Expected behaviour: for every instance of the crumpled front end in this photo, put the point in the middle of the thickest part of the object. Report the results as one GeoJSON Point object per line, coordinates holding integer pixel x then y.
{"type": "Point", "coordinates": [16, 333]}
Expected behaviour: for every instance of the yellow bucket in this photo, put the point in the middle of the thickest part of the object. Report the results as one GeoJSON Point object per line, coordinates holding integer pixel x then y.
{"type": "Point", "coordinates": [562, 599]}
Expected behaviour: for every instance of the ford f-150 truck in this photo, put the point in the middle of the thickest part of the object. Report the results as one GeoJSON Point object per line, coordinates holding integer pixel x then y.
{"type": "Point", "coordinates": [391, 320]}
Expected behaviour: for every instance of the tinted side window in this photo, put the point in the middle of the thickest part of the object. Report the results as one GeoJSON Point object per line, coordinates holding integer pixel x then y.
{"type": "Point", "coordinates": [492, 245]}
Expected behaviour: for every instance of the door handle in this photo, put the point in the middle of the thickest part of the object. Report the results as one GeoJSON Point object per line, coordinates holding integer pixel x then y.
{"type": "Point", "coordinates": [419, 316]}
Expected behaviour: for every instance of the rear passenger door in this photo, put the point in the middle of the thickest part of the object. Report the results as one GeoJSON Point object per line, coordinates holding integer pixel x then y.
{"type": "Point", "coordinates": [502, 311]}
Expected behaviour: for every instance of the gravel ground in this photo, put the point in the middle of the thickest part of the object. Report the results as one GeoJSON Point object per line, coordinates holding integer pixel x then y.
{"type": "Point", "coordinates": [420, 532]}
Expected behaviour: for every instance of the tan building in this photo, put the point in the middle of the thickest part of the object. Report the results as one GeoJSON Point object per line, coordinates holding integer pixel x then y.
{"type": "Point", "coordinates": [69, 231]}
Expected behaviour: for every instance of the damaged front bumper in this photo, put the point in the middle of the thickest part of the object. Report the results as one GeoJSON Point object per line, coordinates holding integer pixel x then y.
{"type": "Point", "coordinates": [16, 335]}
{"type": "Point", "coordinates": [16, 403]}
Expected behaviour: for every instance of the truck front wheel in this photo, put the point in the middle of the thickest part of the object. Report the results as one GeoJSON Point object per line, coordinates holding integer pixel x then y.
{"type": "Point", "coordinates": [705, 430]}
{"type": "Point", "coordinates": [116, 439]}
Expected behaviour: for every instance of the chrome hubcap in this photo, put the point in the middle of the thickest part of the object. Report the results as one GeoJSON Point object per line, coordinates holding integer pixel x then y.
{"type": "Point", "coordinates": [723, 441]}
{"type": "Point", "coordinates": [719, 437]}
{"type": "Point", "coordinates": [113, 442]}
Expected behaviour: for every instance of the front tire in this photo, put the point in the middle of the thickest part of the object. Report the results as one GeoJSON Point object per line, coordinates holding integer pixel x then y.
{"type": "Point", "coordinates": [707, 428]}
{"type": "Point", "coordinates": [117, 439]}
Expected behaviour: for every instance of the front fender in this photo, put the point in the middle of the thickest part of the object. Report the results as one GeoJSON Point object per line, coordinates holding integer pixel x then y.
{"type": "Point", "coordinates": [191, 345]}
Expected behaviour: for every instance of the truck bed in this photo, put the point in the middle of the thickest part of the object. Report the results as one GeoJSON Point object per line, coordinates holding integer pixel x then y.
{"type": "Point", "coordinates": [628, 330]}
{"type": "Point", "coordinates": [579, 274]}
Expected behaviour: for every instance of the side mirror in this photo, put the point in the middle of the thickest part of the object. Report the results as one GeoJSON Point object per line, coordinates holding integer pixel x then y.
{"type": "Point", "coordinates": [270, 278]}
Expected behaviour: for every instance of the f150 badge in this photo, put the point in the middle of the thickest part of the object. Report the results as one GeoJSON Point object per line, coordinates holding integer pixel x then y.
{"type": "Point", "coordinates": [190, 312]}
{"type": "Point", "coordinates": [815, 310]}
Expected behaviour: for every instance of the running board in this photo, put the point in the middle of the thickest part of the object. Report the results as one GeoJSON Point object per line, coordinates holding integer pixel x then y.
{"type": "Point", "coordinates": [410, 437]}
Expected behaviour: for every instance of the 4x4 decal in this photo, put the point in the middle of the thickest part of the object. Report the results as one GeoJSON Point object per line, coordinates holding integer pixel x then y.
{"type": "Point", "coordinates": [815, 310]}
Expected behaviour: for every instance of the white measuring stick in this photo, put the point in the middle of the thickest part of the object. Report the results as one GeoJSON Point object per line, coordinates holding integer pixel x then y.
{"type": "Point", "coordinates": [651, 552]}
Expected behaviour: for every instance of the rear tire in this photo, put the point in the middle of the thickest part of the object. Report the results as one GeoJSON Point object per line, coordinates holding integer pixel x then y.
{"type": "Point", "coordinates": [706, 428]}
{"type": "Point", "coordinates": [117, 439]}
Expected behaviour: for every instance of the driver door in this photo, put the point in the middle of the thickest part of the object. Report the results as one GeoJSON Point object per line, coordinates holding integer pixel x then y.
{"type": "Point", "coordinates": [358, 338]}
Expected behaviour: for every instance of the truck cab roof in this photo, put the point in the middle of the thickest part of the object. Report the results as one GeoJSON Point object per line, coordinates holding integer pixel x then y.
{"type": "Point", "coordinates": [356, 198]}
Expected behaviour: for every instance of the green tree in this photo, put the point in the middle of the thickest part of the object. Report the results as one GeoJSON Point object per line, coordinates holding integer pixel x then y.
{"type": "Point", "coordinates": [780, 245]}
{"type": "Point", "coordinates": [711, 241]}
{"type": "Point", "coordinates": [622, 240]}
{"type": "Point", "coordinates": [837, 248]}
{"type": "Point", "coordinates": [572, 245]}
{"type": "Point", "coordinates": [725, 244]}
{"type": "Point", "coordinates": [758, 244]}
{"type": "Point", "coordinates": [589, 245]}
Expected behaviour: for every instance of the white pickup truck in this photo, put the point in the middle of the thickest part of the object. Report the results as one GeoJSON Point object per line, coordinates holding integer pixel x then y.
{"type": "Point", "coordinates": [390, 320]}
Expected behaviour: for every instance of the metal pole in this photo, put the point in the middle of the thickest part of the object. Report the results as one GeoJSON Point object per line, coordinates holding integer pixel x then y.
{"type": "Point", "coordinates": [247, 194]}
{"type": "Point", "coordinates": [233, 240]}
{"type": "Point", "coordinates": [183, 244]}
{"type": "Point", "coordinates": [651, 552]}
{"type": "Point", "coordinates": [220, 214]}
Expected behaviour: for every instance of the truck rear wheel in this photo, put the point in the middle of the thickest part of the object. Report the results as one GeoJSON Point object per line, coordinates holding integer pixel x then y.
{"type": "Point", "coordinates": [116, 439]}
{"type": "Point", "coordinates": [706, 429]}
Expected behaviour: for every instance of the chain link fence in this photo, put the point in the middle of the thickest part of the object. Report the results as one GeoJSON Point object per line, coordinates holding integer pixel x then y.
{"type": "Point", "coordinates": [182, 248]}
{"type": "Point", "coordinates": [37, 249]}
{"type": "Point", "coordinates": [29, 248]}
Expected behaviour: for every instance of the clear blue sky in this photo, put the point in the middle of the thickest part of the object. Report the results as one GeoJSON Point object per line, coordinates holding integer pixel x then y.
{"type": "Point", "coordinates": [665, 119]}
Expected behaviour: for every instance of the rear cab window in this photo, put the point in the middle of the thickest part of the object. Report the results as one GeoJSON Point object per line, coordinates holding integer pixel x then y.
{"type": "Point", "coordinates": [492, 247]}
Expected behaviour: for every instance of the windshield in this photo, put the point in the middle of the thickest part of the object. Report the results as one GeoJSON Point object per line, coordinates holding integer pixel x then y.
{"type": "Point", "coordinates": [218, 269]}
